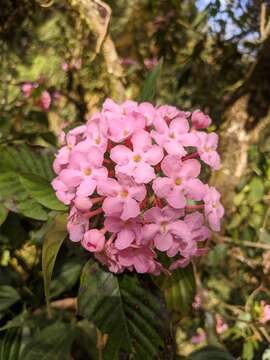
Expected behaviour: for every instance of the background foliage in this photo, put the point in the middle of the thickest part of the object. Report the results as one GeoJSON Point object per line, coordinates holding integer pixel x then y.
{"type": "Point", "coordinates": [215, 55]}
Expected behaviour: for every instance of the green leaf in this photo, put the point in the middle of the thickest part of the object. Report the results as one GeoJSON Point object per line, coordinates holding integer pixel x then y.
{"type": "Point", "coordinates": [87, 338]}
{"type": "Point", "coordinates": [210, 353]}
{"type": "Point", "coordinates": [131, 314]}
{"type": "Point", "coordinates": [8, 296]}
{"type": "Point", "coordinates": [149, 87]}
{"type": "Point", "coordinates": [51, 343]}
{"type": "Point", "coordinates": [25, 160]}
{"type": "Point", "coordinates": [3, 213]}
{"type": "Point", "coordinates": [41, 190]}
{"type": "Point", "coordinates": [179, 290]}
{"type": "Point", "coordinates": [51, 245]}
{"type": "Point", "coordinates": [256, 190]}
{"type": "Point", "coordinates": [16, 199]}
{"type": "Point", "coordinates": [10, 344]}
{"type": "Point", "coordinates": [66, 278]}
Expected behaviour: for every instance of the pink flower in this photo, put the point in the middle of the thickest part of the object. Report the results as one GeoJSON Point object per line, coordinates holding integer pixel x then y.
{"type": "Point", "coordinates": [139, 161]}
{"type": "Point", "coordinates": [65, 66]}
{"type": "Point", "coordinates": [128, 231]}
{"type": "Point", "coordinates": [27, 89]}
{"type": "Point", "coordinates": [200, 120]}
{"type": "Point", "coordinates": [150, 63]}
{"type": "Point", "coordinates": [162, 227]}
{"type": "Point", "coordinates": [95, 135]}
{"type": "Point", "coordinates": [84, 171]}
{"type": "Point", "coordinates": [77, 225]}
{"type": "Point", "coordinates": [221, 326]}
{"type": "Point", "coordinates": [197, 302]}
{"type": "Point", "coordinates": [169, 113]}
{"type": "Point", "coordinates": [63, 192]}
{"type": "Point", "coordinates": [45, 100]}
{"type": "Point", "coordinates": [197, 339]}
{"type": "Point", "coordinates": [93, 240]}
{"type": "Point", "coordinates": [214, 211]}
{"type": "Point", "coordinates": [130, 225]}
{"type": "Point", "coordinates": [70, 139]}
{"type": "Point", "coordinates": [171, 136]}
{"type": "Point", "coordinates": [265, 314]}
{"type": "Point", "coordinates": [123, 120]}
{"type": "Point", "coordinates": [195, 222]}
{"type": "Point", "coordinates": [109, 257]}
{"type": "Point", "coordinates": [148, 111]}
{"type": "Point", "coordinates": [180, 181]}
{"type": "Point", "coordinates": [122, 197]}
{"type": "Point", "coordinates": [207, 145]}
{"type": "Point", "coordinates": [142, 259]}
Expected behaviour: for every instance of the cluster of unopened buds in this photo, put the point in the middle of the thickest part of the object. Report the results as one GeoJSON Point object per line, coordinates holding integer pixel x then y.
{"type": "Point", "coordinates": [132, 179]}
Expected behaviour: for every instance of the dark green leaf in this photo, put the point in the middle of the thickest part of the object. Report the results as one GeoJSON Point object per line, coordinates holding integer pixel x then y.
{"type": "Point", "coordinates": [17, 199]}
{"type": "Point", "coordinates": [179, 290]}
{"type": "Point", "coordinates": [51, 343]}
{"type": "Point", "coordinates": [8, 296]}
{"type": "Point", "coordinates": [133, 316]}
{"type": "Point", "coordinates": [25, 160]}
{"type": "Point", "coordinates": [52, 243]}
{"type": "Point", "coordinates": [87, 338]}
{"type": "Point", "coordinates": [41, 190]}
{"type": "Point", "coordinates": [210, 353]}
{"type": "Point", "coordinates": [149, 87]}
{"type": "Point", "coordinates": [66, 278]}
{"type": "Point", "coordinates": [10, 344]}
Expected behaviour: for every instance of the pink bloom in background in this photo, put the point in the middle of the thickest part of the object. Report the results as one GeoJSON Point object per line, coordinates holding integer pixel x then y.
{"type": "Point", "coordinates": [265, 312]}
{"type": "Point", "coordinates": [197, 339]}
{"type": "Point", "coordinates": [132, 180]}
{"type": "Point", "coordinates": [197, 302]}
{"type": "Point", "coordinates": [221, 326]}
{"type": "Point", "coordinates": [45, 100]}
{"type": "Point", "coordinates": [128, 62]}
{"type": "Point", "coordinates": [27, 89]}
{"type": "Point", "coordinates": [150, 63]}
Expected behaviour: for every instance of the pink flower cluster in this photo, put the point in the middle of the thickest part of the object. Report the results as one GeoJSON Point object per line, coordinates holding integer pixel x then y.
{"type": "Point", "coordinates": [43, 100]}
{"type": "Point", "coordinates": [131, 177]}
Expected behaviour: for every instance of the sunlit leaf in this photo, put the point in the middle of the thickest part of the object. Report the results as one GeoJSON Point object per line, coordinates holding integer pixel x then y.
{"type": "Point", "coordinates": [51, 245]}
{"type": "Point", "coordinates": [3, 213]}
{"type": "Point", "coordinates": [41, 190]}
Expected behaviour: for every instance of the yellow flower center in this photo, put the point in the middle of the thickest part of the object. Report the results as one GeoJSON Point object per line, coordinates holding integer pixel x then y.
{"type": "Point", "coordinates": [123, 194]}
{"type": "Point", "coordinates": [163, 226]}
{"type": "Point", "coordinates": [87, 172]}
{"type": "Point", "coordinates": [178, 181]}
{"type": "Point", "coordinates": [137, 158]}
{"type": "Point", "coordinates": [98, 140]}
{"type": "Point", "coordinates": [172, 135]}
{"type": "Point", "coordinates": [125, 132]}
